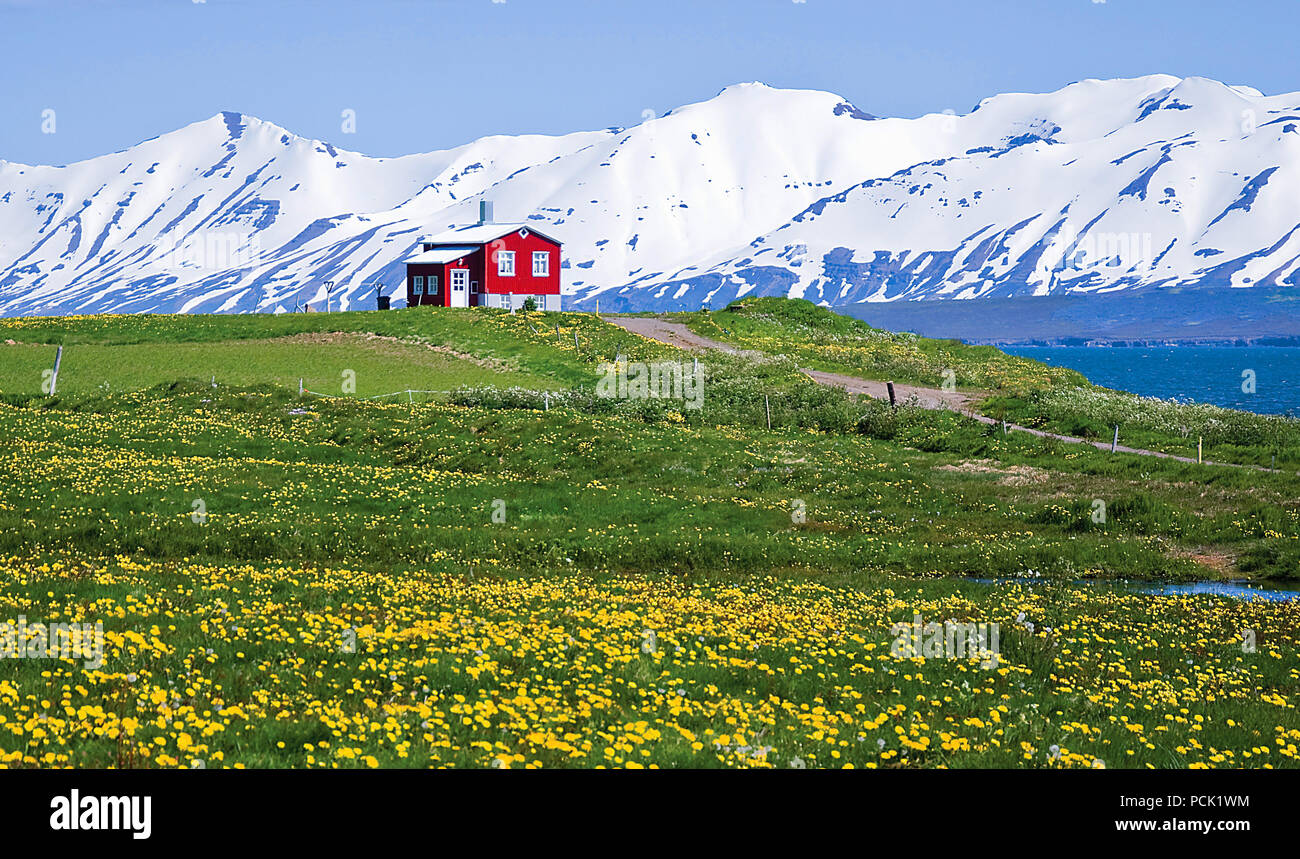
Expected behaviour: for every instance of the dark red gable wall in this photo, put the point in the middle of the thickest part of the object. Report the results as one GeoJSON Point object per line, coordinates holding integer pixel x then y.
{"type": "Point", "coordinates": [472, 260]}
{"type": "Point", "coordinates": [423, 270]}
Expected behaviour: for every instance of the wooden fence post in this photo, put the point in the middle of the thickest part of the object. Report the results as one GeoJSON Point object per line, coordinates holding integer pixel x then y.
{"type": "Point", "coordinates": [1199, 441]}
{"type": "Point", "coordinates": [1115, 441]}
{"type": "Point", "coordinates": [767, 407]}
{"type": "Point", "coordinates": [893, 401]}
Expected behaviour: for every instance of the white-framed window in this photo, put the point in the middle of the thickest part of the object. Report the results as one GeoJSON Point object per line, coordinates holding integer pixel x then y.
{"type": "Point", "coordinates": [432, 285]}
{"type": "Point", "coordinates": [459, 279]}
{"type": "Point", "coordinates": [473, 287]}
{"type": "Point", "coordinates": [541, 263]}
{"type": "Point", "coordinates": [506, 263]}
{"type": "Point", "coordinates": [417, 285]}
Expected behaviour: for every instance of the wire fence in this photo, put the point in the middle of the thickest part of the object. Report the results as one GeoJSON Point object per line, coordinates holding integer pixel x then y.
{"type": "Point", "coordinates": [546, 396]}
{"type": "Point", "coordinates": [409, 393]}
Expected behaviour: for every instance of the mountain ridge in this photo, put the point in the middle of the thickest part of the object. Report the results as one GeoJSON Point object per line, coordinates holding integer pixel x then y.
{"type": "Point", "coordinates": [1099, 186]}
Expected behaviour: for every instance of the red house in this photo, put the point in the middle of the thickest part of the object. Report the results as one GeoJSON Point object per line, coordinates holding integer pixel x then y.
{"type": "Point", "coordinates": [485, 265]}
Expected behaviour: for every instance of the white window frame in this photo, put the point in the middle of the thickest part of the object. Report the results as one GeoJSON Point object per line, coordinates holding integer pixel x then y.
{"type": "Point", "coordinates": [544, 258]}
{"type": "Point", "coordinates": [505, 263]}
{"type": "Point", "coordinates": [431, 285]}
{"type": "Point", "coordinates": [417, 285]}
{"type": "Point", "coordinates": [459, 279]}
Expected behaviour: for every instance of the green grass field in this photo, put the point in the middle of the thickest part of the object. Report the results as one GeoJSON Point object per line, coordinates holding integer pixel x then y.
{"type": "Point", "coordinates": [324, 362]}
{"type": "Point", "coordinates": [527, 343]}
{"type": "Point", "coordinates": [474, 581]}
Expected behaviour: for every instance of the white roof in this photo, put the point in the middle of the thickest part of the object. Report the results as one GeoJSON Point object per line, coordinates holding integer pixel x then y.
{"type": "Point", "coordinates": [440, 255]}
{"type": "Point", "coordinates": [479, 234]}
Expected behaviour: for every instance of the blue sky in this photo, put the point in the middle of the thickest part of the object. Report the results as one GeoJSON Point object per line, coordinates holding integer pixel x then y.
{"type": "Point", "coordinates": [429, 74]}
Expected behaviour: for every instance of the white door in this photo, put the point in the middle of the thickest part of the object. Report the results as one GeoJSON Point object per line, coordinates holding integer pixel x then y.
{"type": "Point", "coordinates": [460, 287]}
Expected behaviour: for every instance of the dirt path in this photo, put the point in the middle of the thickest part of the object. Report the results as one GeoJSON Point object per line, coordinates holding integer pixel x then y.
{"type": "Point", "coordinates": [677, 334]}
{"type": "Point", "coordinates": [674, 334]}
{"type": "Point", "coordinates": [930, 398]}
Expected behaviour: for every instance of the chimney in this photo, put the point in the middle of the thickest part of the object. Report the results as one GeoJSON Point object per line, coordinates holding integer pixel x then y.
{"type": "Point", "coordinates": [484, 212]}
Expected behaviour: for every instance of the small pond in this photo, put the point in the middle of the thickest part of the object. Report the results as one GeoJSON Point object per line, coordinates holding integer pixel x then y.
{"type": "Point", "coordinates": [1237, 589]}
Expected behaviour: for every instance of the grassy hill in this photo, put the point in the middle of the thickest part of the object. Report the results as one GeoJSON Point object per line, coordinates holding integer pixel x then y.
{"type": "Point", "coordinates": [824, 340]}
{"type": "Point", "coordinates": [1020, 390]}
{"type": "Point", "coordinates": [476, 581]}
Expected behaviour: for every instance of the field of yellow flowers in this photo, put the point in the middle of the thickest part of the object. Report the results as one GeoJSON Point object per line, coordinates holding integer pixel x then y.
{"type": "Point", "coordinates": [317, 583]}
{"type": "Point", "coordinates": [252, 666]}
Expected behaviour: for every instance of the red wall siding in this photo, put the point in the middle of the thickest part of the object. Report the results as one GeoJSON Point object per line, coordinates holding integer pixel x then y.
{"type": "Point", "coordinates": [523, 282]}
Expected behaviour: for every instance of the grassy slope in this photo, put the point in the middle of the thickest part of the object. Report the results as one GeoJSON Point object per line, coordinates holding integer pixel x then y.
{"type": "Point", "coordinates": [823, 340]}
{"type": "Point", "coordinates": [377, 366]}
{"type": "Point", "coordinates": [1159, 511]}
{"type": "Point", "coordinates": [1018, 389]}
{"type": "Point", "coordinates": [373, 523]}
{"type": "Point", "coordinates": [523, 342]}
{"type": "Point", "coordinates": [355, 483]}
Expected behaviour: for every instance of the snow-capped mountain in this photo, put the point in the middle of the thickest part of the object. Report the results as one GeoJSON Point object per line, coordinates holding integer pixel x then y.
{"type": "Point", "coordinates": [1100, 186]}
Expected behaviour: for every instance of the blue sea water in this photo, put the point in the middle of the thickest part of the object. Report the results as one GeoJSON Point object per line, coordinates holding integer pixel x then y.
{"type": "Point", "coordinates": [1208, 374]}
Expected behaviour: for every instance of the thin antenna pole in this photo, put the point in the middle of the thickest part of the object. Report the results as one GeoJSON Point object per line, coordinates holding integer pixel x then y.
{"type": "Point", "coordinates": [54, 377]}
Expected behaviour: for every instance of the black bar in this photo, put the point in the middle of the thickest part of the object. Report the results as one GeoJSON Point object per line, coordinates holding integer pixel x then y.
{"type": "Point", "coordinates": [979, 808]}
